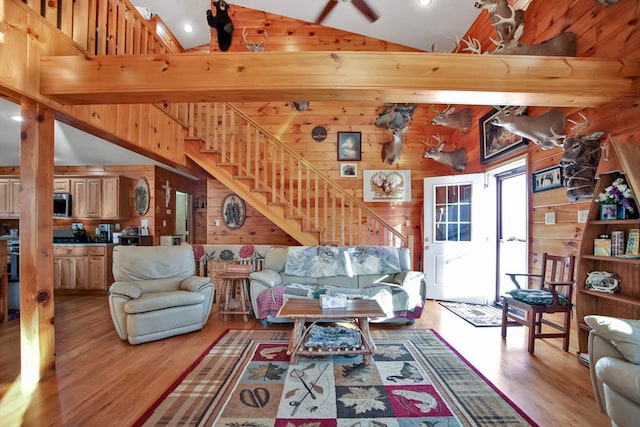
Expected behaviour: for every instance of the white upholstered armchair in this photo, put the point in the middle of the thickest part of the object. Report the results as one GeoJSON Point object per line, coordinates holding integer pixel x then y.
{"type": "Point", "coordinates": [156, 293]}
{"type": "Point", "coordinates": [614, 363]}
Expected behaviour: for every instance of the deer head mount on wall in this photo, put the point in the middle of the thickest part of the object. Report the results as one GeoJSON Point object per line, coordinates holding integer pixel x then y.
{"type": "Point", "coordinates": [509, 25]}
{"type": "Point", "coordinates": [580, 158]}
{"type": "Point", "coordinates": [396, 118]}
{"type": "Point", "coordinates": [457, 159]}
{"type": "Point", "coordinates": [546, 130]}
{"type": "Point", "coordinates": [448, 117]}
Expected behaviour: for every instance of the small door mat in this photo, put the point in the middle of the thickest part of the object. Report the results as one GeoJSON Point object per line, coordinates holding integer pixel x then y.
{"type": "Point", "coordinates": [479, 315]}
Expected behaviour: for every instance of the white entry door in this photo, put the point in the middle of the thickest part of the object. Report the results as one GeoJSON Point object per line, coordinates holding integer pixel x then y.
{"type": "Point", "coordinates": [459, 257]}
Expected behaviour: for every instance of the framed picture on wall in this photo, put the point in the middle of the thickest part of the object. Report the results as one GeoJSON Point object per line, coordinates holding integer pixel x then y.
{"type": "Point", "coordinates": [349, 170]}
{"type": "Point", "coordinates": [496, 141]}
{"type": "Point", "coordinates": [387, 185]}
{"type": "Point", "coordinates": [349, 146]}
{"type": "Point", "coordinates": [234, 211]}
{"type": "Point", "coordinates": [547, 179]}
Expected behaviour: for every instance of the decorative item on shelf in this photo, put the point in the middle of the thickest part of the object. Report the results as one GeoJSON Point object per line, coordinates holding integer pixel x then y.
{"type": "Point", "coordinates": [602, 281]}
{"type": "Point", "coordinates": [201, 202]}
{"type": "Point", "coordinates": [609, 211]}
{"type": "Point", "coordinates": [632, 242]}
{"type": "Point", "coordinates": [602, 245]}
{"type": "Point", "coordinates": [617, 242]}
{"type": "Point", "coordinates": [617, 196]}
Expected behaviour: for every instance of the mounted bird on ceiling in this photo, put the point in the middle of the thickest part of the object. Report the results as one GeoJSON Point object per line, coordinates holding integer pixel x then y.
{"type": "Point", "coordinates": [221, 22]}
{"type": "Point", "coordinates": [361, 5]}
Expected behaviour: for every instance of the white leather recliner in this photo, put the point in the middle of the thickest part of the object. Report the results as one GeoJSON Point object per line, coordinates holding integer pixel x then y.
{"type": "Point", "coordinates": [156, 293]}
{"type": "Point", "coordinates": [614, 363]}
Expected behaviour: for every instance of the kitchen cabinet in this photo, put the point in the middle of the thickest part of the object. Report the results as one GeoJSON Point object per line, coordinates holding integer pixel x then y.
{"type": "Point", "coordinates": [82, 269]}
{"type": "Point", "coordinates": [9, 197]}
{"type": "Point", "coordinates": [86, 197]}
{"type": "Point", "coordinates": [62, 185]}
{"type": "Point", "coordinates": [115, 197]}
{"type": "Point", "coordinates": [70, 267]}
{"type": "Point", "coordinates": [626, 302]}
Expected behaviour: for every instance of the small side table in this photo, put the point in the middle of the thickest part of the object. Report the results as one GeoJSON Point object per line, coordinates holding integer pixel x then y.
{"type": "Point", "coordinates": [234, 284]}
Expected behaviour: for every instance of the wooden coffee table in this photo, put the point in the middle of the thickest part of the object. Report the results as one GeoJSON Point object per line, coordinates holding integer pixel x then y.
{"type": "Point", "coordinates": [302, 310]}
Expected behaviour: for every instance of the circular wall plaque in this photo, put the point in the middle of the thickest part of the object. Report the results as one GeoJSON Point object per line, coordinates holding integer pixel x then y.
{"type": "Point", "coordinates": [319, 133]}
{"type": "Point", "coordinates": [233, 211]}
{"type": "Point", "coordinates": [141, 196]}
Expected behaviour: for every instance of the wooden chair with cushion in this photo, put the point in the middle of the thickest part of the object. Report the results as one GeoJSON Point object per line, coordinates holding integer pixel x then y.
{"type": "Point", "coordinates": [552, 297]}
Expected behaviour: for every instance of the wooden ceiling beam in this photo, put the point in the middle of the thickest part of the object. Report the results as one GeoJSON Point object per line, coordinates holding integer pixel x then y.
{"type": "Point", "coordinates": [340, 76]}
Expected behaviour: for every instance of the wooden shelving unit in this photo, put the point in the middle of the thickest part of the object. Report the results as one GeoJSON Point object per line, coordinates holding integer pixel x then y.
{"type": "Point", "coordinates": [626, 302]}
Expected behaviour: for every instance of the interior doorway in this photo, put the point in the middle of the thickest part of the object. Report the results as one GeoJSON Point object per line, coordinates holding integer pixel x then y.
{"type": "Point", "coordinates": [511, 224]}
{"type": "Point", "coordinates": [183, 217]}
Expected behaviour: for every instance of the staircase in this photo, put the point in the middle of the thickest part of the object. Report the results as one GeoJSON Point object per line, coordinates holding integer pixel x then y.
{"type": "Point", "coordinates": [280, 184]}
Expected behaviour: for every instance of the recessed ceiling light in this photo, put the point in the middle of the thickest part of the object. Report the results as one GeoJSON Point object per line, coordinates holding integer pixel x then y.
{"type": "Point", "coordinates": [424, 2]}
{"type": "Point", "coordinates": [16, 118]}
{"type": "Point", "coordinates": [188, 28]}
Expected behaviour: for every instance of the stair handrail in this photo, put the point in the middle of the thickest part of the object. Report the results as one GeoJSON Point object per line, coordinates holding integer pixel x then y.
{"type": "Point", "coordinates": [388, 227]}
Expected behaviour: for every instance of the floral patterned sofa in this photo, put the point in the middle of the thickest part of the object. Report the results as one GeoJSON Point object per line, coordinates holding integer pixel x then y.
{"type": "Point", "coordinates": [379, 272]}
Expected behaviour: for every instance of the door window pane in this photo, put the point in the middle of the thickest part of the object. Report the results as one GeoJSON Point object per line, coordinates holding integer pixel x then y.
{"type": "Point", "coordinates": [452, 213]}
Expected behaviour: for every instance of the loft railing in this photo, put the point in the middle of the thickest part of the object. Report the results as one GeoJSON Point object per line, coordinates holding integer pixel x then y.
{"type": "Point", "coordinates": [272, 168]}
{"type": "Point", "coordinates": [112, 27]}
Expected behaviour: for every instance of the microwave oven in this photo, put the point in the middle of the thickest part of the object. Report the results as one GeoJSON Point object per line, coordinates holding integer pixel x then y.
{"type": "Point", "coordinates": [61, 205]}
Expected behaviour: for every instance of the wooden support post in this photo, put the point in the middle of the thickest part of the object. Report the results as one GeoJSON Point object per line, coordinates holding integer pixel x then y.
{"type": "Point", "coordinates": [37, 331]}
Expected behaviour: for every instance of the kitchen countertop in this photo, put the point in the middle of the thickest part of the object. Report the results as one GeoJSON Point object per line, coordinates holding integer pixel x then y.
{"type": "Point", "coordinates": [83, 244]}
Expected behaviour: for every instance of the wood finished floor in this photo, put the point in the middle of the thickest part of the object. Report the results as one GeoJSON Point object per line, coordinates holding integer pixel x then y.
{"type": "Point", "coordinates": [102, 381]}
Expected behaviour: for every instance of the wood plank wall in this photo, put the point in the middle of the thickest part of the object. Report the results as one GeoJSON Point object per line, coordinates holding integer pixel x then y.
{"type": "Point", "coordinates": [610, 32]}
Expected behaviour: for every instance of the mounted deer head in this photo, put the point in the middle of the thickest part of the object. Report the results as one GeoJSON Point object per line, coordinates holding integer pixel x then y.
{"type": "Point", "coordinates": [457, 159]}
{"type": "Point", "coordinates": [564, 44]}
{"type": "Point", "coordinates": [508, 22]}
{"type": "Point", "coordinates": [391, 149]}
{"type": "Point", "coordinates": [460, 121]}
{"type": "Point", "coordinates": [396, 116]}
{"type": "Point", "coordinates": [545, 130]}
{"type": "Point", "coordinates": [580, 158]}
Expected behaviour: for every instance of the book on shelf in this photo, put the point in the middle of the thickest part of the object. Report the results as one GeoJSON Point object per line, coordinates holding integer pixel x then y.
{"type": "Point", "coordinates": [632, 242]}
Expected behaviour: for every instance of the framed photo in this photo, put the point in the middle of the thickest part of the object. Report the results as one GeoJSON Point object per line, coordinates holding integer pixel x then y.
{"type": "Point", "coordinates": [349, 170]}
{"type": "Point", "coordinates": [496, 141]}
{"type": "Point", "coordinates": [608, 211]}
{"type": "Point", "coordinates": [234, 211]}
{"type": "Point", "coordinates": [349, 146]}
{"type": "Point", "coordinates": [547, 179]}
{"type": "Point", "coordinates": [387, 185]}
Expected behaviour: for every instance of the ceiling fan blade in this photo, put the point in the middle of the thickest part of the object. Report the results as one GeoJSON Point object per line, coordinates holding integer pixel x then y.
{"type": "Point", "coordinates": [365, 9]}
{"type": "Point", "coordinates": [328, 8]}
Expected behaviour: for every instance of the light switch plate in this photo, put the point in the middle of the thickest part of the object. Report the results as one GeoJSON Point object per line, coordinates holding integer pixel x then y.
{"type": "Point", "coordinates": [144, 223]}
{"type": "Point", "coordinates": [549, 217]}
{"type": "Point", "coordinates": [583, 214]}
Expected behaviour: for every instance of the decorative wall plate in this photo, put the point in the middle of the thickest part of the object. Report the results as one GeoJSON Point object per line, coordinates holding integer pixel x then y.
{"type": "Point", "coordinates": [319, 133]}
{"type": "Point", "coordinates": [233, 211]}
{"type": "Point", "coordinates": [141, 196]}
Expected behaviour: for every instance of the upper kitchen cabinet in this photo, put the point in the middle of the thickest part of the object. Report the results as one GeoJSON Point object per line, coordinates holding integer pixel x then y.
{"type": "Point", "coordinates": [86, 197]}
{"type": "Point", "coordinates": [9, 197]}
{"type": "Point", "coordinates": [115, 197]}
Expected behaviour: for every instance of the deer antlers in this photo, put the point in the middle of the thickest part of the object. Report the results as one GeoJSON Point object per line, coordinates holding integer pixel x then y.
{"type": "Point", "coordinates": [255, 47]}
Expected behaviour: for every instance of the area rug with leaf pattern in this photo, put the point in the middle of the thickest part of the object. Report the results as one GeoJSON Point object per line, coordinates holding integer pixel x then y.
{"type": "Point", "coordinates": [416, 379]}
